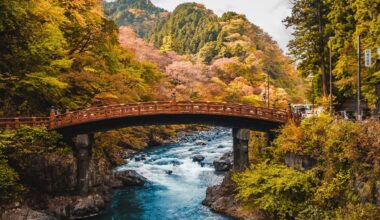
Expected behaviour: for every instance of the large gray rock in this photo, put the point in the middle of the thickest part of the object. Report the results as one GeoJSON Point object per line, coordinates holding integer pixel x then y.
{"type": "Point", "coordinates": [24, 213]}
{"type": "Point", "coordinates": [200, 142]}
{"type": "Point", "coordinates": [127, 178]}
{"type": "Point", "coordinates": [224, 163]}
{"type": "Point", "coordinates": [222, 199]}
{"type": "Point", "coordinates": [56, 173]}
{"type": "Point", "coordinates": [198, 158]}
{"type": "Point", "coordinates": [304, 162]}
{"type": "Point", "coordinates": [87, 206]}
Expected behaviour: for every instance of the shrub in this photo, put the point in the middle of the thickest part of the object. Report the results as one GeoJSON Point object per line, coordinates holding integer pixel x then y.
{"type": "Point", "coordinates": [276, 188]}
{"type": "Point", "coordinates": [345, 179]}
{"type": "Point", "coordinates": [27, 142]}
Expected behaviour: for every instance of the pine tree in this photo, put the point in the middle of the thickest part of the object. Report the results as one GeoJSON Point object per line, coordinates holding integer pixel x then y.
{"type": "Point", "coordinates": [309, 19]}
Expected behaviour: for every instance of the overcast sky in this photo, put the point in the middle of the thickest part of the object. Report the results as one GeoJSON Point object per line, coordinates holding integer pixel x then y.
{"type": "Point", "coordinates": [268, 14]}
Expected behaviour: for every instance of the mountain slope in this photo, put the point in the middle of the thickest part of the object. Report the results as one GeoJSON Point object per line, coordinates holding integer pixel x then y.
{"type": "Point", "coordinates": [223, 58]}
{"type": "Point", "coordinates": [187, 29]}
{"type": "Point", "coordinates": [142, 15]}
{"type": "Point", "coordinates": [240, 48]}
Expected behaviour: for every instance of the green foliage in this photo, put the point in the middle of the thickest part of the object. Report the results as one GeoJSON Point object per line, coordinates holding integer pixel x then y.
{"type": "Point", "coordinates": [142, 15]}
{"type": "Point", "coordinates": [8, 182]}
{"type": "Point", "coordinates": [8, 177]}
{"type": "Point", "coordinates": [27, 142]}
{"type": "Point", "coordinates": [187, 19]}
{"type": "Point", "coordinates": [321, 25]}
{"type": "Point", "coordinates": [344, 179]}
{"type": "Point", "coordinates": [359, 211]}
{"type": "Point", "coordinates": [275, 188]}
{"type": "Point", "coordinates": [17, 148]}
{"type": "Point", "coordinates": [308, 139]}
{"type": "Point", "coordinates": [65, 54]}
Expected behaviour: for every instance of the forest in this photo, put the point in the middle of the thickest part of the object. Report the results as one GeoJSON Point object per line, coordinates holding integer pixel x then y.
{"type": "Point", "coordinates": [71, 55]}
{"type": "Point", "coordinates": [323, 25]}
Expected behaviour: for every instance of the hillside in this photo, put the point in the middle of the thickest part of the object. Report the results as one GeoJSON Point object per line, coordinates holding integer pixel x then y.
{"type": "Point", "coordinates": [141, 15]}
{"type": "Point", "coordinates": [216, 58]}
{"type": "Point", "coordinates": [234, 45]}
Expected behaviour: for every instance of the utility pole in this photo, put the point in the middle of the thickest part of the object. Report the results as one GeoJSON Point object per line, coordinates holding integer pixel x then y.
{"type": "Point", "coordinates": [268, 88]}
{"type": "Point", "coordinates": [311, 78]}
{"type": "Point", "coordinates": [331, 96]}
{"type": "Point", "coordinates": [359, 113]}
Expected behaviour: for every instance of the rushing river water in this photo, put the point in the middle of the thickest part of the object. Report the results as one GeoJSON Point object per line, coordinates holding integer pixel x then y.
{"type": "Point", "coordinates": [177, 196]}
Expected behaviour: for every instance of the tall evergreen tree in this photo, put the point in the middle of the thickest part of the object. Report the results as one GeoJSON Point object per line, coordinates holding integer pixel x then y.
{"type": "Point", "coordinates": [309, 19]}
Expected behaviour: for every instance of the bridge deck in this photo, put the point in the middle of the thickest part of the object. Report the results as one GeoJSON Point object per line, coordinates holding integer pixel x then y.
{"type": "Point", "coordinates": [70, 119]}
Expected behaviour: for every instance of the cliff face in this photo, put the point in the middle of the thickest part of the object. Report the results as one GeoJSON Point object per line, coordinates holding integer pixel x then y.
{"type": "Point", "coordinates": [57, 174]}
{"type": "Point", "coordinates": [53, 183]}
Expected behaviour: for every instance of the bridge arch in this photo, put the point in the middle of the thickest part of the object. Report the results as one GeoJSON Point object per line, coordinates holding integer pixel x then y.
{"type": "Point", "coordinates": [165, 113]}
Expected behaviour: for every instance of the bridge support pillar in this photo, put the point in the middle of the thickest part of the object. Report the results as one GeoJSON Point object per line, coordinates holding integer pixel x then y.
{"type": "Point", "coordinates": [240, 148]}
{"type": "Point", "coordinates": [83, 152]}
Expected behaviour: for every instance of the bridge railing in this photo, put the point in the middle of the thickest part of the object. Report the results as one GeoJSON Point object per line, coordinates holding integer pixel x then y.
{"type": "Point", "coordinates": [15, 123]}
{"type": "Point", "coordinates": [149, 108]}
{"type": "Point", "coordinates": [122, 110]}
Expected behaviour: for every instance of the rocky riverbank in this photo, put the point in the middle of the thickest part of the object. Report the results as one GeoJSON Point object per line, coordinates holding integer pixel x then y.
{"type": "Point", "coordinates": [71, 205]}
{"type": "Point", "coordinates": [221, 199]}
{"type": "Point", "coordinates": [50, 180]}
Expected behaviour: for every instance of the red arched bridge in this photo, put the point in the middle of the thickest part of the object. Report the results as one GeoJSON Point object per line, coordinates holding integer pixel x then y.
{"type": "Point", "coordinates": [156, 113]}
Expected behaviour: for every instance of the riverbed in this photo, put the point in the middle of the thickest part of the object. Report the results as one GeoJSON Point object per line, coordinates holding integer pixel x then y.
{"type": "Point", "coordinates": [176, 185]}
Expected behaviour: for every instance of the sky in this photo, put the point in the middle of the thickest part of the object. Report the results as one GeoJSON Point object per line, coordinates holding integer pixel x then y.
{"type": "Point", "coordinates": [268, 14]}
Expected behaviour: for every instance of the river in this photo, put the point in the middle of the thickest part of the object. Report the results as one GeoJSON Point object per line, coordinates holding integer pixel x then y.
{"type": "Point", "coordinates": [179, 195]}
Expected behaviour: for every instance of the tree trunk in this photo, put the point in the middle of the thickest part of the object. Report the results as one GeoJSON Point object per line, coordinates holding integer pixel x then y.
{"type": "Point", "coordinates": [322, 47]}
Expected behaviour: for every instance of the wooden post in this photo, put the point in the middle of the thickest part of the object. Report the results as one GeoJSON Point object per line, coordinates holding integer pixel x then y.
{"type": "Point", "coordinates": [52, 118]}
{"type": "Point", "coordinates": [33, 121]}
{"type": "Point", "coordinates": [272, 114]}
{"type": "Point", "coordinates": [17, 123]}
{"type": "Point", "coordinates": [290, 112]}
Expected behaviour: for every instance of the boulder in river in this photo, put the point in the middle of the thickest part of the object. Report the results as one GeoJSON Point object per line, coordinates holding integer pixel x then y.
{"type": "Point", "coordinates": [200, 142]}
{"type": "Point", "coordinates": [221, 146]}
{"type": "Point", "coordinates": [224, 163]}
{"type": "Point", "coordinates": [222, 199]}
{"type": "Point", "coordinates": [198, 158]}
{"type": "Point", "coordinates": [127, 178]}
{"type": "Point", "coordinates": [169, 172]}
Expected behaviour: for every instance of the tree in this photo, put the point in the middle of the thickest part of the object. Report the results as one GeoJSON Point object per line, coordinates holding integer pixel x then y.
{"type": "Point", "coordinates": [309, 19]}
{"type": "Point", "coordinates": [347, 20]}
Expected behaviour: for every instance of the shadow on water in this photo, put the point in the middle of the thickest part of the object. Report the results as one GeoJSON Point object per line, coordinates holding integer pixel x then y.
{"type": "Point", "coordinates": [176, 196]}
